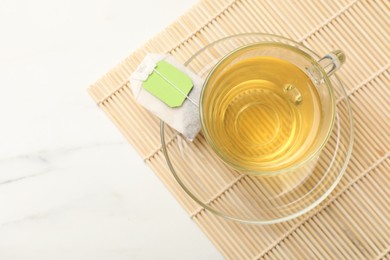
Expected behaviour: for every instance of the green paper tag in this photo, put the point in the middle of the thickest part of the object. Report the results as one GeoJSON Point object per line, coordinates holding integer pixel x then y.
{"type": "Point", "coordinates": [168, 84]}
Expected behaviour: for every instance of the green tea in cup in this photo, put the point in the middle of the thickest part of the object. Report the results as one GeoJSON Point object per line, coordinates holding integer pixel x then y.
{"type": "Point", "coordinates": [267, 108]}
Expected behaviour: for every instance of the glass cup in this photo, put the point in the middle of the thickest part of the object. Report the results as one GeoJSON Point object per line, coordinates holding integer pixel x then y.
{"type": "Point", "coordinates": [269, 107]}
{"type": "Point", "coordinates": [264, 197]}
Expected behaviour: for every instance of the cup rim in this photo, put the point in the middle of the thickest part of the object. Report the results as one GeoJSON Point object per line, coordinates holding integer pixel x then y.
{"type": "Point", "coordinates": [301, 50]}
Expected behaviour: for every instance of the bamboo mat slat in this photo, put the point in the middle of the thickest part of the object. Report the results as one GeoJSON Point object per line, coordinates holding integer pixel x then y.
{"type": "Point", "coordinates": [354, 221]}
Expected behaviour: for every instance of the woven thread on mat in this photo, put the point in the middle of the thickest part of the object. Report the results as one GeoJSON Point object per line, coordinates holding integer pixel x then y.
{"type": "Point", "coordinates": [329, 20]}
{"type": "Point", "coordinates": [153, 153]}
{"type": "Point", "coordinates": [121, 86]}
{"type": "Point", "coordinates": [216, 196]}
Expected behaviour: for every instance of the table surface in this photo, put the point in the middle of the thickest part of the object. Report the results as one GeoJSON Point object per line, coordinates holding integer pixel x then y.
{"type": "Point", "coordinates": [70, 185]}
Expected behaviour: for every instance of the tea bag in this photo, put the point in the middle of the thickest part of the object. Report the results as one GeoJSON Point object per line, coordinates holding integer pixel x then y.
{"type": "Point", "coordinates": [169, 90]}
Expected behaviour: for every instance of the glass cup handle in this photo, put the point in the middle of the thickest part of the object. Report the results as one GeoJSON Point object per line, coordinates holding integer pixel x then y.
{"type": "Point", "coordinates": [329, 63]}
{"type": "Point", "coordinates": [332, 61]}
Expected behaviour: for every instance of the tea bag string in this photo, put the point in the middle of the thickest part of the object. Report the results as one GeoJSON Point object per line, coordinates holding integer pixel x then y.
{"type": "Point", "coordinates": [173, 85]}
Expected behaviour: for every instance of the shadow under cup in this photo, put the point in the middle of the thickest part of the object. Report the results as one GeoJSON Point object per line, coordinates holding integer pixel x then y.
{"type": "Point", "coordinates": [267, 108]}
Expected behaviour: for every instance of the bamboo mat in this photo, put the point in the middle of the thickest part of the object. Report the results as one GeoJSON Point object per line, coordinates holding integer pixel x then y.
{"type": "Point", "coordinates": [354, 221]}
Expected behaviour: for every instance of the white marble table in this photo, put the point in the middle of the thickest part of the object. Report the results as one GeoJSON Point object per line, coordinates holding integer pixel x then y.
{"type": "Point", "coordinates": [70, 185]}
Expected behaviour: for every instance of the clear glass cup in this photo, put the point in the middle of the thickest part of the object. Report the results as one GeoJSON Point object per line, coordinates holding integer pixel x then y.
{"type": "Point", "coordinates": [261, 198]}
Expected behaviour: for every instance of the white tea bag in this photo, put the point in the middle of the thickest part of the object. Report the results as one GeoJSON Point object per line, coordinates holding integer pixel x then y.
{"type": "Point", "coordinates": [169, 90]}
